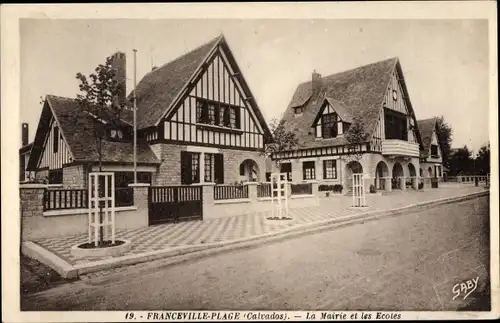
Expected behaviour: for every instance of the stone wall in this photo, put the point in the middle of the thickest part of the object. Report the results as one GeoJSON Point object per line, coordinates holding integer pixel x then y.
{"type": "Point", "coordinates": [37, 224]}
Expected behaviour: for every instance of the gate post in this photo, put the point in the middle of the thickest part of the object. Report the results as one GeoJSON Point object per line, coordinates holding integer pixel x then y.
{"type": "Point", "coordinates": [208, 200]}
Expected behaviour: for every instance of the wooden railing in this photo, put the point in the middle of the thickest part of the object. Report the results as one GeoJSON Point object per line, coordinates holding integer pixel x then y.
{"type": "Point", "coordinates": [300, 189]}
{"type": "Point", "coordinates": [63, 199]}
{"type": "Point", "coordinates": [264, 190]}
{"type": "Point", "coordinates": [229, 192]}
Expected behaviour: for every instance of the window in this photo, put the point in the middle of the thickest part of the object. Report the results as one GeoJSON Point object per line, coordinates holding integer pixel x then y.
{"type": "Point", "coordinates": [329, 125]}
{"type": "Point", "coordinates": [190, 167]}
{"type": "Point", "coordinates": [434, 150]}
{"type": "Point", "coordinates": [395, 125]}
{"type": "Point", "coordinates": [330, 169]}
{"type": "Point", "coordinates": [55, 176]}
{"type": "Point", "coordinates": [123, 179]}
{"type": "Point", "coordinates": [268, 176]}
{"type": "Point", "coordinates": [287, 168]}
{"type": "Point", "coordinates": [298, 110]}
{"type": "Point", "coordinates": [217, 114]}
{"type": "Point", "coordinates": [56, 139]}
{"type": "Point", "coordinates": [308, 170]}
{"type": "Point", "coordinates": [208, 167]}
{"type": "Point", "coordinates": [242, 169]}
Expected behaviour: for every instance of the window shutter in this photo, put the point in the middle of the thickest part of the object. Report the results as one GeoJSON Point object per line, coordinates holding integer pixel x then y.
{"type": "Point", "coordinates": [324, 169]}
{"type": "Point", "coordinates": [237, 112]}
{"type": "Point", "coordinates": [304, 170]}
{"type": "Point", "coordinates": [186, 167]}
{"type": "Point", "coordinates": [204, 113]}
{"type": "Point", "coordinates": [56, 139]}
{"type": "Point", "coordinates": [217, 109]}
{"type": "Point", "coordinates": [218, 169]}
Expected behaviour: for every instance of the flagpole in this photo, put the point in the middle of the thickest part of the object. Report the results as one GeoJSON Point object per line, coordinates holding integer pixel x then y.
{"type": "Point", "coordinates": [135, 117]}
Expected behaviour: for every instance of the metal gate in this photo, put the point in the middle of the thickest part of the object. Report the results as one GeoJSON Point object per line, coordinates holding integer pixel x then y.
{"type": "Point", "coordinates": [175, 203]}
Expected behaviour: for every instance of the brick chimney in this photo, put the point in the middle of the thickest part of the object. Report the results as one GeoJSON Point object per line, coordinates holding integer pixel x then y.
{"type": "Point", "coordinates": [119, 63]}
{"type": "Point", "coordinates": [24, 134]}
{"type": "Point", "coordinates": [317, 82]}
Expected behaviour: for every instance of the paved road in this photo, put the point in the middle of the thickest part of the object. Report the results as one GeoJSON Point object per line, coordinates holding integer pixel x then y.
{"type": "Point", "coordinates": [405, 262]}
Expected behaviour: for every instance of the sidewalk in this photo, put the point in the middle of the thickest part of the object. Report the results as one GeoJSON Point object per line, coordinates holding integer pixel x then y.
{"type": "Point", "coordinates": [174, 236]}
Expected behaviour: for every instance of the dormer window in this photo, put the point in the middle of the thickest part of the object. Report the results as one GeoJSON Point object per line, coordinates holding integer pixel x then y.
{"type": "Point", "coordinates": [116, 134]}
{"type": "Point", "coordinates": [329, 128]}
{"type": "Point", "coordinates": [298, 110]}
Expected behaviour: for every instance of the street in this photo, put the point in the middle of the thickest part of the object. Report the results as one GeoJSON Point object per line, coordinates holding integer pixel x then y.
{"type": "Point", "coordinates": [405, 262]}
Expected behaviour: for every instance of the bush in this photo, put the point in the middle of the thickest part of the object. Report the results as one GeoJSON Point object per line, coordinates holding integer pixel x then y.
{"type": "Point", "coordinates": [373, 189]}
{"type": "Point", "coordinates": [337, 188]}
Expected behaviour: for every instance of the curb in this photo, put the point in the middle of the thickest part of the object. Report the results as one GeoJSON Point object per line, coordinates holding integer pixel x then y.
{"type": "Point", "coordinates": [66, 270]}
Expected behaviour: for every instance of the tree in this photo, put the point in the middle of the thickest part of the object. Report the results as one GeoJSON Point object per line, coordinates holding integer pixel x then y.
{"type": "Point", "coordinates": [483, 160]}
{"type": "Point", "coordinates": [99, 99]}
{"type": "Point", "coordinates": [355, 136]}
{"type": "Point", "coordinates": [281, 140]}
{"type": "Point", "coordinates": [444, 137]}
{"type": "Point", "coordinates": [461, 162]}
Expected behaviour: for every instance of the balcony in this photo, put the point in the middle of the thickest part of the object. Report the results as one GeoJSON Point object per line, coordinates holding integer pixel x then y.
{"type": "Point", "coordinates": [396, 147]}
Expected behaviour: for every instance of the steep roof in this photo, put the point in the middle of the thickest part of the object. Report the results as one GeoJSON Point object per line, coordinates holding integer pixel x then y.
{"type": "Point", "coordinates": [360, 90]}
{"type": "Point", "coordinates": [159, 88]}
{"type": "Point", "coordinates": [74, 125]}
{"type": "Point", "coordinates": [426, 127]}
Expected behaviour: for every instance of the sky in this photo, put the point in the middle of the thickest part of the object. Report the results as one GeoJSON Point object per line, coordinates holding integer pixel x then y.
{"type": "Point", "coordinates": [444, 62]}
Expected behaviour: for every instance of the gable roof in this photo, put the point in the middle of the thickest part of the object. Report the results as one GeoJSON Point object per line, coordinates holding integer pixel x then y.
{"type": "Point", "coordinates": [159, 90]}
{"type": "Point", "coordinates": [74, 125]}
{"type": "Point", "coordinates": [356, 93]}
{"type": "Point", "coordinates": [426, 127]}
{"type": "Point", "coordinates": [339, 107]}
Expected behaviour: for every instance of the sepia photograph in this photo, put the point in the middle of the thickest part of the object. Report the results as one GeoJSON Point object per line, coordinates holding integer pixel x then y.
{"type": "Point", "coordinates": [259, 168]}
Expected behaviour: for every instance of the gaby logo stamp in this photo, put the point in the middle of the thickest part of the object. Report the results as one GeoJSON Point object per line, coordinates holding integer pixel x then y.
{"type": "Point", "coordinates": [465, 288]}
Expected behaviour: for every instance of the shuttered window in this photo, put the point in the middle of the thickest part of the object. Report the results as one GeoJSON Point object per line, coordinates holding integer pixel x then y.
{"type": "Point", "coordinates": [308, 170]}
{"type": "Point", "coordinates": [330, 169]}
{"type": "Point", "coordinates": [190, 167]}
{"type": "Point", "coordinates": [56, 139]}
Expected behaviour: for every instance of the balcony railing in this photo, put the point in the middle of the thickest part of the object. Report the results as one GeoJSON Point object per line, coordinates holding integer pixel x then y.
{"type": "Point", "coordinates": [398, 147]}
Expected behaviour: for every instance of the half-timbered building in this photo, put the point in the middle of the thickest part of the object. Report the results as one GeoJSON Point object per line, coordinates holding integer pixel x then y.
{"type": "Point", "coordinates": [323, 109]}
{"type": "Point", "coordinates": [431, 159]}
{"type": "Point", "coordinates": [197, 122]}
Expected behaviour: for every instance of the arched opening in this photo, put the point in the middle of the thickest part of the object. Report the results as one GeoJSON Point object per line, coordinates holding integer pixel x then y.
{"type": "Point", "coordinates": [352, 167]}
{"type": "Point", "coordinates": [381, 171]}
{"type": "Point", "coordinates": [249, 171]}
{"type": "Point", "coordinates": [397, 173]}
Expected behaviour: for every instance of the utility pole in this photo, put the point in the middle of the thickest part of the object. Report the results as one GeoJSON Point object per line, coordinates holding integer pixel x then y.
{"type": "Point", "coordinates": [135, 117]}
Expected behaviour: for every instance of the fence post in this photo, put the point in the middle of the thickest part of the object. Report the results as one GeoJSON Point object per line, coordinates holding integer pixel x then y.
{"type": "Point", "coordinates": [252, 193]}
{"type": "Point", "coordinates": [140, 195]}
{"type": "Point", "coordinates": [315, 188]}
{"type": "Point", "coordinates": [31, 205]}
{"type": "Point", "coordinates": [208, 199]}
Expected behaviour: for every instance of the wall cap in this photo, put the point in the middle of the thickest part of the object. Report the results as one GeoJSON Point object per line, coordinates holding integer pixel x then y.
{"type": "Point", "coordinates": [33, 185]}
{"type": "Point", "coordinates": [232, 201]}
{"type": "Point", "coordinates": [71, 212]}
{"type": "Point", "coordinates": [251, 183]}
{"type": "Point", "coordinates": [139, 185]}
